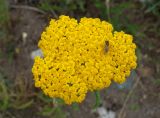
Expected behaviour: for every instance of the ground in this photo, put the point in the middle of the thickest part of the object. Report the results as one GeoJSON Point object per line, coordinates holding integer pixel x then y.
{"type": "Point", "coordinates": [141, 98]}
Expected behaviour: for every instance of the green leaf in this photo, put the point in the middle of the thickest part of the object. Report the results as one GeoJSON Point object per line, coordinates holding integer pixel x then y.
{"type": "Point", "coordinates": [131, 28]}
{"type": "Point", "coordinates": [56, 112]}
{"type": "Point", "coordinates": [47, 111]}
{"type": "Point", "coordinates": [152, 7]}
{"type": "Point", "coordinates": [81, 4]}
{"type": "Point", "coordinates": [44, 98]}
{"type": "Point", "coordinates": [102, 7]}
{"type": "Point", "coordinates": [24, 105]}
{"type": "Point", "coordinates": [60, 101]}
{"type": "Point", "coordinates": [4, 96]}
{"type": "Point", "coordinates": [120, 8]}
{"type": "Point", "coordinates": [59, 113]}
{"type": "Point", "coordinates": [75, 106]}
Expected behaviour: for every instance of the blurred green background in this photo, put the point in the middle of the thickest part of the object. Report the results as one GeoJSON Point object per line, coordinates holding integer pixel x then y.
{"type": "Point", "coordinates": [21, 24]}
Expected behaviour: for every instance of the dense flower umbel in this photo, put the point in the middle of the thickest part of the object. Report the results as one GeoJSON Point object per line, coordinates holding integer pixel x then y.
{"type": "Point", "coordinates": [75, 59]}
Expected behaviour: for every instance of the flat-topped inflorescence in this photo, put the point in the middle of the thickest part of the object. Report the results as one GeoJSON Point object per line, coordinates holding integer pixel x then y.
{"type": "Point", "coordinates": [75, 59]}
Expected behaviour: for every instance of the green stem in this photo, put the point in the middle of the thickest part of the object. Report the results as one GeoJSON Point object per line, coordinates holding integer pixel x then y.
{"type": "Point", "coordinates": [98, 99]}
{"type": "Point", "coordinates": [108, 10]}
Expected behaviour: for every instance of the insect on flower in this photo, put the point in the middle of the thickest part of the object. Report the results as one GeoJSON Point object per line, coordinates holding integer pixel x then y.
{"type": "Point", "coordinates": [106, 48]}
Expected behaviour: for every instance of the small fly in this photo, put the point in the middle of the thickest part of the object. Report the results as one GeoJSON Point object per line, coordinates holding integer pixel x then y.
{"type": "Point", "coordinates": [106, 48]}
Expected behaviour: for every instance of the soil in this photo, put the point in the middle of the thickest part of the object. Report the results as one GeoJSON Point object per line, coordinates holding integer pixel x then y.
{"type": "Point", "coordinates": [144, 102]}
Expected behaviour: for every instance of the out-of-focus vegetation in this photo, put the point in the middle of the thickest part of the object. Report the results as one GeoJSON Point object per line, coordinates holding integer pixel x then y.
{"type": "Point", "coordinates": [63, 6]}
{"type": "Point", "coordinates": [153, 7]}
{"type": "Point", "coordinates": [114, 14]}
{"type": "Point", "coordinates": [4, 20]}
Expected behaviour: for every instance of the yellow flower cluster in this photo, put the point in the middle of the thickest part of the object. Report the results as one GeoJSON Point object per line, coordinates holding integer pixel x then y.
{"type": "Point", "coordinates": [77, 58]}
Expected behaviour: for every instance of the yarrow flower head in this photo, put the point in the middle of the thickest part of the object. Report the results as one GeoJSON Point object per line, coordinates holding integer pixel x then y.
{"type": "Point", "coordinates": [82, 56]}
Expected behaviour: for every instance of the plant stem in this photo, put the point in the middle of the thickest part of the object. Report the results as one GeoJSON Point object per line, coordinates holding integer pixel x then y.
{"type": "Point", "coordinates": [98, 99]}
